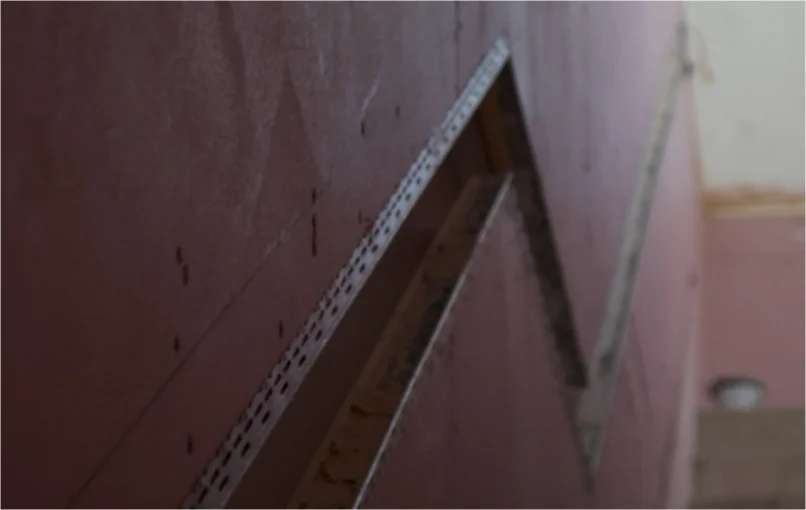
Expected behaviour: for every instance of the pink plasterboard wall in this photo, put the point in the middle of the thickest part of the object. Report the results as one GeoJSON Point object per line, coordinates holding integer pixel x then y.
{"type": "Point", "coordinates": [753, 305]}
{"type": "Point", "coordinates": [136, 131]}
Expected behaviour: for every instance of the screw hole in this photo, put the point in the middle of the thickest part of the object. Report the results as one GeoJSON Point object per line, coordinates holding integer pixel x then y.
{"type": "Point", "coordinates": [185, 275]}
{"type": "Point", "coordinates": [363, 129]}
{"type": "Point", "coordinates": [177, 344]}
{"type": "Point", "coordinates": [397, 111]}
{"type": "Point", "coordinates": [179, 258]}
{"type": "Point", "coordinates": [313, 235]}
{"type": "Point", "coordinates": [189, 445]}
{"type": "Point", "coordinates": [280, 329]}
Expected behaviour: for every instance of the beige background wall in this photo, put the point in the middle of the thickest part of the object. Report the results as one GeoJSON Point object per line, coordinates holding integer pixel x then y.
{"type": "Point", "coordinates": [749, 92]}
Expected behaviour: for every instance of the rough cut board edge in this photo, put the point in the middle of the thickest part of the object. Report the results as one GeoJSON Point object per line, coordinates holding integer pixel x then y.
{"type": "Point", "coordinates": [238, 450]}
{"type": "Point", "coordinates": [509, 148]}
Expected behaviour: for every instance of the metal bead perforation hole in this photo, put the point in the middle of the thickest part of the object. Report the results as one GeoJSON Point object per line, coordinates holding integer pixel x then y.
{"type": "Point", "coordinates": [180, 261]}
{"type": "Point", "coordinates": [202, 495]}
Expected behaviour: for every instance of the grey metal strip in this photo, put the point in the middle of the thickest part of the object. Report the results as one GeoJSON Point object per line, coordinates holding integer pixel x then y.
{"type": "Point", "coordinates": [225, 470]}
{"type": "Point", "coordinates": [604, 367]}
